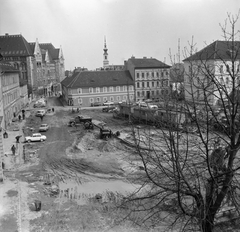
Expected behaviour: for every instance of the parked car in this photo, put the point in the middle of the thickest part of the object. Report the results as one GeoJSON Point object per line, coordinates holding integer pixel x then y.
{"type": "Point", "coordinates": [108, 103]}
{"type": "Point", "coordinates": [43, 127]}
{"type": "Point", "coordinates": [96, 104]}
{"type": "Point", "coordinates": [40, 113]}
{"type": "Point", "coordinates": [35, 138]}
{"type": "Point", "coordinates": [39, 104]}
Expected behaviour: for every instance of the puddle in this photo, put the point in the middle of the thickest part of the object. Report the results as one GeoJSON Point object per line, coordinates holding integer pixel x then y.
{"type": "Point", "coordinates": [82, 193]}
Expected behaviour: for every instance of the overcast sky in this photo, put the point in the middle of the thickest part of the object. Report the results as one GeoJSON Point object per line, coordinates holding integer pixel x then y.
{"type": "Point", "coordinates": [132, 27]}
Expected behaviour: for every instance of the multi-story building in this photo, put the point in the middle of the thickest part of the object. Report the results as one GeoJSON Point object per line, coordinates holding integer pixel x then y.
{"type": "Point", "coordinates": [11, 93]}
{"type": "Point", "coordinates": [50, 67]}
{"type": "Point", "coordinates": [214, 62]}
{"type": "Point", "coordinates": [86, 87]}
{"type": "Point", "coordinates": [41, 66]}
{"type": "Point", "coordinates": [151, 78]}
{"type": "Point", "coordinates": [16, 51]}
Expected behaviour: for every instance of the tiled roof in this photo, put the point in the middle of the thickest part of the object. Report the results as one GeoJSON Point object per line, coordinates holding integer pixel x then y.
{"type": "Point", "coordinates": [147, 63]}
{"type": "Point", "coordinates": [7, 67]}
{"type": "Point", "coordinates": [52, 51]}
{"type": "Point", "coordinates": [217, 50]}
{"type": "Point", "coordinates": [14, 45]}
{"type": "Point", "coordinates": [98, 79]}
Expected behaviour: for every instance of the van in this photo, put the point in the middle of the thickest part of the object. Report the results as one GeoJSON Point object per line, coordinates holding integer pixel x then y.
{"type": "Point", "coordinates": [40, 113]}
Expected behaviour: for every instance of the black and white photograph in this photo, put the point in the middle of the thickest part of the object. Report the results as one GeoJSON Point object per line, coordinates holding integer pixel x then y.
{"type": "Point", "coordinates": [119, 115]}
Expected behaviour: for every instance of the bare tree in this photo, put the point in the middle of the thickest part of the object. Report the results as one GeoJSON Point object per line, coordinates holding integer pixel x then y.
{"type": "Point", "coordinates": [191, 174]}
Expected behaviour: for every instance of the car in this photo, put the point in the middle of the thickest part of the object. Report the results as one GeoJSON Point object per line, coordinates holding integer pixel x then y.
{"type": "Point", "coordinates": [40, 113]}
{"type": "Point", "coordinates": [96, 104]}
{"type": "Point", "coordinates": [40, 103]}
{"type": "Point", "coordinates": [35, 138]}
{"type": "Point", "coordinates": [43, 127]}
{"type": "Point", "coordinates": [108, 103]}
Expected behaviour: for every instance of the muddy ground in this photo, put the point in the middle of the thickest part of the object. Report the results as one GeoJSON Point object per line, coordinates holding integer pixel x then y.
{"type": "Point", "coordinates": [76, 175]}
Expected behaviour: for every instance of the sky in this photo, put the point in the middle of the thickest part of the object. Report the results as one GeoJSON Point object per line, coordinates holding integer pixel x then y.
{"type": "Point", "coordinates": [139, 28]}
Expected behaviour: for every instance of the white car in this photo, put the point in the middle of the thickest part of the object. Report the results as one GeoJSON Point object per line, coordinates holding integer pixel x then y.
{"type": "Point", "coordinates": [35, 137]}
{"type": "Point", "coordinates": [43, 127]}
{"type": "Point", "coordinates": [108, 103]}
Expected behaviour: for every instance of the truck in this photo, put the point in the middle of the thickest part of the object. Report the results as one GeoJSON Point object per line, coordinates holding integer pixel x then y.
{"type": "Point", "coordinates": [78, 120]}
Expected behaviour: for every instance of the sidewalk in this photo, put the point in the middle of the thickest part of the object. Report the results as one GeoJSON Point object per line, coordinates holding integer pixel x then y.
{"type": "Point", "coordinates": [15, 129]}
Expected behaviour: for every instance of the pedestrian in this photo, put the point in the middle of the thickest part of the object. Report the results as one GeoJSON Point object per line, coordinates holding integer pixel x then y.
{"type": "Point", "coordinates": [17, 138]}
{"type": "Point", "coordinates": [23, 116]}
{"type": "Point", "coordinates": [41, 118]}
{"type": "Point", "coordinates": [19, 117]}
{"type": "Point", "coordinates": [13, 148]}
{"type": "Point", "coordinates": [52, 109]}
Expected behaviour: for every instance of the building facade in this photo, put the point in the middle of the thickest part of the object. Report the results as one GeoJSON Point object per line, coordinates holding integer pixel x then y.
{"type": "Point", "coordinates": [41, 66]}
{"type": "Point", "coordinates": [86, 87]}
{"type": "Point", "coordinates": [151, 78]}
{"type": "Point", "coordinates": [219, 61]}
{"type": "Point", "coordinates": [11, 93]}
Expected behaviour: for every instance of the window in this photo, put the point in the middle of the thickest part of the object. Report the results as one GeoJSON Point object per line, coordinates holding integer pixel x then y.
{"type": "Point", "coordinates": [118, 98]}
{"type": "Point", "coordinates": [124, 88]}
{"type": "Point", "coordinates": [152, 83]}
{"type": "Point", "coordinates": [112, 98]}
{"type": "Point", "coordinates": [118, 88]}
{"type": "Point", "coordinates": [147, 74]}
{"type": "Point", "coordinates": [143, 75]}
{"type": "Point", "coordinates": [97, 90]}
{"type": "Point", "coordinates": [91, 100]}
{"type": "Point", "coordinates": [79, 100]}
{"type": "Point", "coordinates": [157, 74]}
{"type": "Point", "coordinates": [143, 93]}
{"type": "Point", "coordinates": [138, 85]}
{"type": "Point", "coordinates": [147, 84]}
{"type": "Point", "coordinates": [131, 97]}
{"type": "Point", "coordinates": [111, 89]}
{"type": "Point", "coordinates": [104, 99]}
{"type": "Point", "coordinates": [227, 80]}
{"type": "Point", "coordinates": [80, 90]}
{"type": "Point", "coordinates": [221, 69]}
{"type": "Point", "coordinates": [152, 74]}
{"type": "Point", "coordinates": [90, 90]}
{"type": "Point", "coordinates": [131, 88]}
{"type": "Point", "coordinates": [138, 94]}
{"type": "Point", "coordinates": [162, 74]}
{"type": "Point", "coordinates": [137, 75]}
{"type": "Point", "coordinates": [143, 84]}
{"type": "Point", "coordinates": [124, 97]}
{"type": "Point", "coordinates": [104, 89]}
{"type": "Point", "coordinates": [98, 99]}
{"type": "Point", "coordinates": [227, 66]}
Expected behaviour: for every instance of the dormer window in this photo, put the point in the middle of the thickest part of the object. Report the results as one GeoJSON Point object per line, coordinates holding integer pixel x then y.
{"type": "Point", "coordinates": [90, 90]}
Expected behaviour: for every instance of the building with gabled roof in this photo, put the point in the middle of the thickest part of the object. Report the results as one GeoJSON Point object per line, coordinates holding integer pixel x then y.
{"type": "Point", "coordinates": [16, 50]}
{"type": "Point", "coordinates": [41, 66]}
{"type": "Point", "coordinates": [214, 61]}
{"type": "Point", "coordinates": [50, 67]}
{"type": "Point", "coordinates": [151, 78]}
{"type": "Point", "coordinates": [86, 87]}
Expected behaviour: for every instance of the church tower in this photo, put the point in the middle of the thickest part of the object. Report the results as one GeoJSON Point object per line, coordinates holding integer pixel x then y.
{"type": "Point", "coordinates": [105, 55]}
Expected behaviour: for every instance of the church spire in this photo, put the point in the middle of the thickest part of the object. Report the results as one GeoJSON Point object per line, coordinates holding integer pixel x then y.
{"type": "Point", "coordinates": [105, 55]}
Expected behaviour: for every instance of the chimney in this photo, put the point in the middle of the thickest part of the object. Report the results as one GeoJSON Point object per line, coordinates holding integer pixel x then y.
{"type": "Point", "coordinates": [144, 57]}
{"type": "Point", "coordinates": [6, 34]}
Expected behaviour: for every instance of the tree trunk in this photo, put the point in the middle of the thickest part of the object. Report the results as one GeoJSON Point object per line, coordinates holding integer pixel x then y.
{"type": "Point", "coordinates": [207, 223]}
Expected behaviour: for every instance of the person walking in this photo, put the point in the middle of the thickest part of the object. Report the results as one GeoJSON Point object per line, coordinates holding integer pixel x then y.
{"type": "Point", "coordinates": [19, 117]}
{"type": "Point", "coordinates": [13, 148]}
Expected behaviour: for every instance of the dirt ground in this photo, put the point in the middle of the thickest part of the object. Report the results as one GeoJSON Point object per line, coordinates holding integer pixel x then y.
{"type": "Point", "coordinates": [70, 170]}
